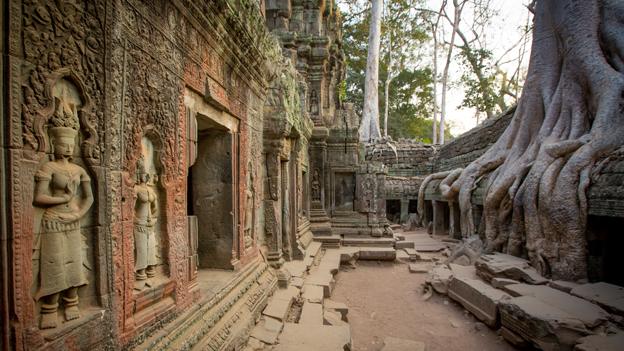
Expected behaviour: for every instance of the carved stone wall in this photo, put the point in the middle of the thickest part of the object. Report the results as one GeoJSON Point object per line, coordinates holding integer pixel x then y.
{"type": "Point", "coordinates": [122, 72]}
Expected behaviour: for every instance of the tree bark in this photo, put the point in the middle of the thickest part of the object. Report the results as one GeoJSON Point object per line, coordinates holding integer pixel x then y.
{"type": "Point", "coordinates": [570, 114]}
{"type": "Point", "coordinates": [369, 128]}
{"type": "Point", "coordinates": [456, 18]}
{"type": "Point", "coordinates": [434, 32]}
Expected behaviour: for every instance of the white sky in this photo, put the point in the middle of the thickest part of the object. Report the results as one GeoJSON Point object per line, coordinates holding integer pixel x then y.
{"type": "Point", "coordinates": [503, 33]}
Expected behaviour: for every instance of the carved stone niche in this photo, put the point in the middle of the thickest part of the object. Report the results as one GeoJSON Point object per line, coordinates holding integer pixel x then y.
{"type": "Point", "coordinates": [64, 227]}
{"type": "Point", "coordinates": [149, 227]}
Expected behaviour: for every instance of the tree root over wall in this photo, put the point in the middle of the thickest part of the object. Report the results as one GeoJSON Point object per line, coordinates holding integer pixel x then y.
{"type": "Point", "coordinates": [570, 115]}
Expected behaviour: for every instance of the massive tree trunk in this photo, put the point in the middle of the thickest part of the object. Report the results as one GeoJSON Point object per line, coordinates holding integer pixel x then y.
{"type": "Point", "coordinates": [369, 128]}
{"type": "Point", "coordinates": [458, 7]}
{"type": "Point", "coordinates": [571, 114]}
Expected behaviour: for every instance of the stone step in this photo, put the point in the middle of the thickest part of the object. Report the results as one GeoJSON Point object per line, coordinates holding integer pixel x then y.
{"type": "Point", "coordinates": [311, 313]}
{"type": "Point", "coordinates": [330, 241]}
{"type": "Point", "coordinates": [330, 261]}
{"type": "Point", "coordinates": [323, 279]}
{"type": "Point", "coordinates": [296, 268]}
{"type": "Point", "coordinates": [403, 244]}
{"type": "Point", "coordinates": [368, 242]}
{"type": "Point", "coordinates": [306, 337]}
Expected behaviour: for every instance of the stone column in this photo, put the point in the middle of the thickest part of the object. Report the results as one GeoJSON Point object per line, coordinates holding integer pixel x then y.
{"type": "Point", "coordinates": [404, 210]}
{"type": "Point", "coordinates": [319, 220]}
{"type": "Point", "coordinates": [454, 220]}
{"type": "Point", "coordinates": [439, 218]}
{"type": "Point", "coordinates": [272, 211]}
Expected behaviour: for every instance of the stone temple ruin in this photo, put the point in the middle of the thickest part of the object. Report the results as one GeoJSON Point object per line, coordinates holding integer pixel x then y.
{"type": "Point", "coordinates": [183, 175]}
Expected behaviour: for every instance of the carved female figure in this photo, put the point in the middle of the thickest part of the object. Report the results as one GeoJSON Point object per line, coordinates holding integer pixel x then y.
{"type": "Point", "coordinates": [145, 212]}
{"type": "Point", "coordinates": [64, 190]}
{"type": "Point", "coordinates": [316, 186]}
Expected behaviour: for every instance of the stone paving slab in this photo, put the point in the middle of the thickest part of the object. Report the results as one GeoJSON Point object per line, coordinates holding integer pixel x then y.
{"type": "Point", "coordinates": [305, 337]}
{"type": "Point", "coordinates": [609, 296]}
{"type": "Point", "coordinates": [612, 342]}
{"type": "Point", "coordinates": [296, 268]}
{"type": "Point", "coordinates": [311, 313]}
{"type": "Point", "coordinates": [280, 303]}
{"type": "Point", "coordinates": [267, 330]}
{"type": "Point", "coordinates": [331, 317]}
{"type": "Point", "coordinates": [563, 285]}
{"type": "Point", "coordinates": [324, 279]}
{"type": "Point", "coordinates": [313, 293]}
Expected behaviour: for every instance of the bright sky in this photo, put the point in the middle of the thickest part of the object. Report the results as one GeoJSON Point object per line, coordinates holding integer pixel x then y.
{"type": "Point", "coordinates": [502, 33]}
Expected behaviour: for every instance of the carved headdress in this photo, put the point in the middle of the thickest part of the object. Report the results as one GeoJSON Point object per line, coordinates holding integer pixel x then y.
{"type": "Point", "coordinates": [64, 123]}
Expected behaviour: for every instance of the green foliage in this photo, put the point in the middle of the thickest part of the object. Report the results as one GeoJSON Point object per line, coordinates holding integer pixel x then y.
{"type": "Point", "coordinates": [481, 94]}
{"type": "Point", "coordinates": [411, 91]}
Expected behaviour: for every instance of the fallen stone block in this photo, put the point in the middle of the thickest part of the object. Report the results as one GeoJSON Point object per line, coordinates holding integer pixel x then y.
{"type": "Point", "coordinates": [280, 303]}
{"type": "Point", "coordinates": [439, 278]}
{"type": "Point", "coordinates": [611, 342]}
{"type": "Point", "coordinates": [267, 330]}
{"type": "Point", "coordinates": [377, 253]}
{"type": "Point", "coordinates": [507, 266]}
{"type": "Point", "coordinates": [562, 285]}
{"type": "Point", "coordinates": [331, 317]}
{"type": "Point", "coordinates": [463, 271]}
{"type": "Point", "coordinates": [513, 338]}
{"type": "Point", "coordinates": [349, 254]}
{"type": "Point", "coordinates": [296, 268]}
{"type": "Point", "coordinates": [338, 307]}
{"type": "Point", "coordinates": [541, 324]}
{"type": "Point", "coordinates": [609, 296]}
{"type": "Point", "coordinates": [500, 283]}
{"type": "Point", "coordinates": [306, 337]}
{"type": "Point", "coordinates": [419, 268]}
{"type": "Point", "coordinates": [324, 279]}
{"type": "Point", "coordinates": [413, 254]}
{"type": "Point", "coordinates": [590, 314]}
{"type": "Point", "coordinates": [313, 293]}
{"type": "Point", "coordinates": [311, 313]}
{"type": "Point", "coordinates": [477, 297]}
{"type": "Point", "coordinates": [397, 344]}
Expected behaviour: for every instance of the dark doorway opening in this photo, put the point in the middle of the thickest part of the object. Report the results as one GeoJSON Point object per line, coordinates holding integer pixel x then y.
{"type": "Point", "coordinates": [605, 241]}
{"type": "Point", "coordinates": [393, 210]}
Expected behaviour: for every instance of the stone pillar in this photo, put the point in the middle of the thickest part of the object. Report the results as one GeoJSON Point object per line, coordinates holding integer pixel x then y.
{"type": "Point", "coordinates": [404, 210]}
{"type": "Point", "coordinates": [454, 220]}
{"type": "Point", "coordinates": [319, 220]}
{"type": "Point", "coordinates": [440, 223]}
{"type": "Point", "coordinates": [272, 211]}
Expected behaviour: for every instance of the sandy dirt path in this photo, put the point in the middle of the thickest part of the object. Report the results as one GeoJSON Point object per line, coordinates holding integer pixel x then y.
{"type": "Point", "coordinates": [384, 299]}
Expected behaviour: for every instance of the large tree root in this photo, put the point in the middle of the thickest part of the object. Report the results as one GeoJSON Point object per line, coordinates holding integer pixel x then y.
{"type": "Point", "coordinates": [570, 115]}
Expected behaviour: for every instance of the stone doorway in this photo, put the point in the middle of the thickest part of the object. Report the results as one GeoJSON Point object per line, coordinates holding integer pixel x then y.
{"type": "Point", "coordinates": [211, 198]}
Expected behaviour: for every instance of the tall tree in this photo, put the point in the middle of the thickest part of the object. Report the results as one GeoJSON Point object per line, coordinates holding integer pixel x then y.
{"type": "Point", "coordinates": [570, 115]}
{"type": "Point", "coordinates": [458, 7]}
{"type": "Point", "coordinates": [369, 127]}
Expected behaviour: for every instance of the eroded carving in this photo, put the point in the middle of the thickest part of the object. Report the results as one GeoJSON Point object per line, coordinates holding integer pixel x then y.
{"type": "Point", "coordinates": [145, 218]}
{"type": "Point", "coordinates": [250, 196]}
